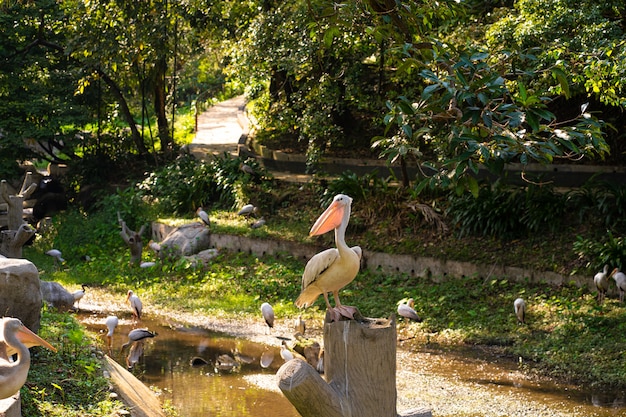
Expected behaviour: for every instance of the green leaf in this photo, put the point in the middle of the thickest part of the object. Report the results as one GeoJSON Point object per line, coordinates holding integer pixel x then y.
{"type": "Point", "coordinates": [561, 77]}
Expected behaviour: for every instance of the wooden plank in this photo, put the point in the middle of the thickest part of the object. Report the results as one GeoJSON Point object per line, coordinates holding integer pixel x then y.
{"type": "Point", "coordinates": [140, 399]}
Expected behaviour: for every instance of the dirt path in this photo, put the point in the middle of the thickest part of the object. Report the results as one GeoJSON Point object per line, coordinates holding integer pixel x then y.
{"type": "Point", "coordinates": [419, 381]}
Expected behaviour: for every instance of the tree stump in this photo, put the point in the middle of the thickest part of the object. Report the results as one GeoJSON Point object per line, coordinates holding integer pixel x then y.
{"type": "Point", "coordinates": [359, 362]}
{"type": "Point", "coordinates": [19, 232]}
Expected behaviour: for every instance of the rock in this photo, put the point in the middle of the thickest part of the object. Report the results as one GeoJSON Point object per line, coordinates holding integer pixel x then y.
{"type": "Point", "coordinates": [56, 295]}
{"type": "Point", "coordinates": [20, 296]}
{"type": "Point", "coordinates": [186, 240]}
{"type": "Point", "coordinates": [203, 257]}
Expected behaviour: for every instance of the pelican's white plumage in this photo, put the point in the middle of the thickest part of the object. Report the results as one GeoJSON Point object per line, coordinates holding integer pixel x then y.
{"type": "Point", "coordinates": [18, 337]}
{"type": "Point", "coordinates": [56, 254]}
{"type": "Point", "coordinates": [332, 269]}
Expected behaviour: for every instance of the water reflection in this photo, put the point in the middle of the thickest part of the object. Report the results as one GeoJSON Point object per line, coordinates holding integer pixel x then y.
{"type": "Point", "coordinates": [206, 373]}
{"type": "Point", "coordinates": [203, 373]}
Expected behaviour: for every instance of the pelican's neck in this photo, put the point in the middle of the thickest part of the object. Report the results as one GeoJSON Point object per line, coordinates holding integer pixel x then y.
{"type": "Point", "coordinates": [340, 232]}
{"type": "Point", "coordinates": [23, 354]}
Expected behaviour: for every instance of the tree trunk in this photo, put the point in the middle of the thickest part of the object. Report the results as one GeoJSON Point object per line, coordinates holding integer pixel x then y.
{"type": "Point", "coordinates": [159, 106]}
{"type": "Point", "coordinates": [359, 362]}
{"type": "Point", "coordinates": [136, 136]}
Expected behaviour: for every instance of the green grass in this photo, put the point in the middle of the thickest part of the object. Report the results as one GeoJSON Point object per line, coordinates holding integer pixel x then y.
{"type": "Point", "coordinates": [568, 336]}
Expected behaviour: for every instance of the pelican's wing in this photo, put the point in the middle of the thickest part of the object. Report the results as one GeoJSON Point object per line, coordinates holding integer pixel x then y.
{"type": "Point", "coordinates": [317, 265]}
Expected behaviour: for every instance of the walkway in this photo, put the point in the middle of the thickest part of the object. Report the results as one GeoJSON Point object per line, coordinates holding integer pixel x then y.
{"type": "Point", "coordinates": [222, 128]}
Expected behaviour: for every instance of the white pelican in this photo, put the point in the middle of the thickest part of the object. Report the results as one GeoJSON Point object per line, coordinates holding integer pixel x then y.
{"type": "Point", "coordinates": [135, 304]}
{"type": "Point", "coordinates": [406, 310]}
{"type": "Point", "coordinates": [519, 306]}
{"type": "Point", "coordinates": [285, 352]}
{"type": "Point", "coordinates": [601, 279]}
{"type": "Point", "coordinates": [13, 374]}
{"type": "Point", "coordinates": [247, 210]}
{"type": "Point", "coordinates": [268, 314]}
{"type": "Point", "coordinates": [332, 269]}
{"type": "Point", "coordinates": [137, 335]}
{"type": "Point", "coordinates": [78, 295]}
{"type": "Point", "coordinates": [111, 322]}
{"type": "Point", "coordinates": [620, 281]}
{"type": "Point", "coordinates": [203, 216]}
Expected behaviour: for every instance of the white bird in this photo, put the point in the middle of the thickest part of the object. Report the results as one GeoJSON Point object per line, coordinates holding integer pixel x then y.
{"type": "Point", "coordinates": [203, 216]}
{"type": "Point", "coordinates": [137, 335]}
{"type": "Point", "coordinates": [620, 281]}
{"type": "Point", "coordinates": [406, 310]}
{"type": "Point", "coordinates": [285, 353]}
{"type": "Point", "coordinates": [111, 322]}
{"type": "Point", "coordinates": [57, 255]}
{"type": "Point", "coordinates": [601, 280]}
{"type": "Point", "coordinates": [259, 223]}
{"type": "Point", "coordinates": [135, 304]}
{"type": "Point", "coordinates": [299, 325]}
{"type": "Point", "coordinates": [156, 248]}
{"type": "Point", "coordinates": [247, 210]}
{"type": "Point", "coordinates": [78, 295]}
{"type": "Point", "coordinates": [332, 269]}
{"type": "Point", "coordinates": [17, 336]}
{"type": "Point", "coordinates": [268, 314]}
{"type": "Point", "coordinates": [147, 264]}
{"type": "Point", "coordinates": [519, 306]}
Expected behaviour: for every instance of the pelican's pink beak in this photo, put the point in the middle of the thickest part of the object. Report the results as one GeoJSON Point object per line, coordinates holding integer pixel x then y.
{"type": "Point", "coordinates": [613, 272]}
{"type": "Point", "coordinates": [330, 219]}
{"type": "Point", "coordinates": [29, 338]}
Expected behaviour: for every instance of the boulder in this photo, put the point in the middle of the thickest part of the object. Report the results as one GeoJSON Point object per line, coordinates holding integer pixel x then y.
{"type": "Point", "coordinates": [20, 296]}
{"type": "Point", "coordinates": [186, 240]}
{"type": "Point", "coordinates": [55, 295]}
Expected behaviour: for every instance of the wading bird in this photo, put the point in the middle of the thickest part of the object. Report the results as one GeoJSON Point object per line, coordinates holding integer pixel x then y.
{"type": "Point", "coordinates": [111, 322]}
{"type": "Point", "coordinates": [268, 315]}
{"type": "Point", "coordinates": [406, 310]}
{"type": "Point", "coordinates": [620, 281]}
{"type": "Point", "coordinates": [247, 210]}
{"type": "Point", "coordinates": [601, 279]}
{"type": "Point", "coordinates": [334, 268]}
{"type": "Point", "coordinates": [137, 335]}
{"type": "Point", "coordinates": [57, 255]}
{"type": "Point", "coordinates": [285, 352]}
{"type": "Point", "coordinates": [519, 306]}
{"type": "Point", "coordinates": [17, 336]}
{"type": "Point", "coordinates": [258, 224]}
{"type": "Point", "coordinates": [135, 304]}
{"type": "Point", "coordinates": [78, 295]}
{"type": "Point", "coordinates": [203, 216]}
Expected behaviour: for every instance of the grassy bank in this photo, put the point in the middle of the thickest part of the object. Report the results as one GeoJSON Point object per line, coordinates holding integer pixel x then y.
{"type": "Point", "coordinates": [567, 336]}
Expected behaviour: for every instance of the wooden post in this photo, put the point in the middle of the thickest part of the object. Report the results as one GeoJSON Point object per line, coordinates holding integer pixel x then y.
{"type": "Point", "coordinates": [360, 365]}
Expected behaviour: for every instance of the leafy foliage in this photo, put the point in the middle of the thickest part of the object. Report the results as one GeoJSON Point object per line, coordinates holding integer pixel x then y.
{"type": "Point", "coordinates": [186, 184]}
